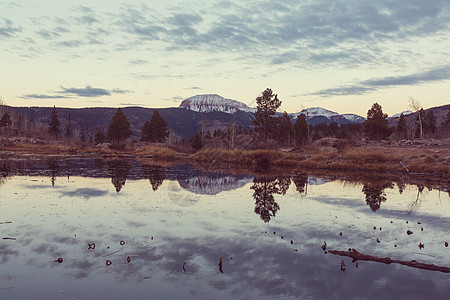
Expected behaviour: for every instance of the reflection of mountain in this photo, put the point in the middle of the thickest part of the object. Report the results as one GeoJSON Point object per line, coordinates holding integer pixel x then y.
{"type": "Point", "coordinates": [212, 185]}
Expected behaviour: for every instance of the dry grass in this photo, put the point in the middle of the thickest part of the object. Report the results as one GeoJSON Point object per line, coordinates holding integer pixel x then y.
{"type": "Point", "coordinates": [379, 158]}
{"type": "Point", "coordinates": [37, 148]}
{"type": "Point", "coordinates": [159, 152]}
{"type": "Point", "coordinates": [368, 156]}
{"type": "Point", "coordinates": [244, 158]}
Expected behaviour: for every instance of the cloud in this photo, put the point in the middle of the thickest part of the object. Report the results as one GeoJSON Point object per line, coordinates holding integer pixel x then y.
{"type": "Point", "coordinates": [139, 62]}
{"type": "Point", "coordinates": [87, 91]}
{"type": "Point", "coordinates": [43, 96]}
{"type": "Point", "coordinates": [438, 74]}
{"type": "Point", "coordinates": [70, 43]}
{"type": "Point", "coordinates": [7, 28]}
{"type": "Point", "coordinates": [370, 85]}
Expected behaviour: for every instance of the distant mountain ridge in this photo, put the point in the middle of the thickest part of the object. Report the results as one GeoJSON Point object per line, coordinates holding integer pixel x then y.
{"type": "Point", "coordinates": [212, 102]}
{"type": "Point", "coordinates": [215, 103]}
{"type": "Point", "coordinates": [209, 112]}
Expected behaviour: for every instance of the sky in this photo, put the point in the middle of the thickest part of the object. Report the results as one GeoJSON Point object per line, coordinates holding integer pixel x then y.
{"type": "Point", "coordinates": [342, 55]}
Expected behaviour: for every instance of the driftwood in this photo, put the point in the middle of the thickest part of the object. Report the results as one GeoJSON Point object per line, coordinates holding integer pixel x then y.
{"type": "Point", "coordinates": [386, 260]}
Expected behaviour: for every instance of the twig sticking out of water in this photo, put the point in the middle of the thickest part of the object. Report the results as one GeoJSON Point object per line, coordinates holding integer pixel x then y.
{"type": "Point", "coordinates": [355, 255]}
{"type": "Point", "coordinates": [220, 264]}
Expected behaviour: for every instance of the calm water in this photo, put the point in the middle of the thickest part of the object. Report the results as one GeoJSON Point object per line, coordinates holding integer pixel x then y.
{"type": "Point", "coordinates": [161, 233]}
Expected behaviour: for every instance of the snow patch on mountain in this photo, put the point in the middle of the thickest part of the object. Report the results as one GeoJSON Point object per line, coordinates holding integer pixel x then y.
{"type": "Point", "coordinates": [397, 115]}
{"type": "Point", "coordinates": [319, 111]}
{"type": "Point", "coordinates": [213, 102]}
{"type": "Point", "coordinates": [354, 118]}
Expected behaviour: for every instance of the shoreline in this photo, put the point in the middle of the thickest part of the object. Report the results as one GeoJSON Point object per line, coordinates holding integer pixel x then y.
{"type": "Point", "coordinates": [376, 158]}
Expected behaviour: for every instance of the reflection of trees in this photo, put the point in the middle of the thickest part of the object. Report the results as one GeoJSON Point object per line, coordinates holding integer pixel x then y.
{"type": "Point", "coordinates": [375, 193]}
{"type": "Point", "coordinates": [99, 163]}
{"type": "Point", "coordinates": [155, 174]}
{"type": "Point", "coordinates": [264, 188]}
{"type": "Point", "coordinates": [300, 181]}
{"type": "Point", "coordinates": [53, 166]}
{"type": "Point", "coordinates": [401, 185]}
{"type": "Point", "coordinates": [68, 165]}
{"type": "Point", "coordinates": [420, 189]}
{"type": "Point", "coordinates": [4, 172]}
{"type": "Point", "coordinates": [118, 170]}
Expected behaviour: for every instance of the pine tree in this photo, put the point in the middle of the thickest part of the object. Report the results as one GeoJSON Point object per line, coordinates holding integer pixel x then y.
{"type": "Point", "coordinates": [376, 125]}
{"type": "Point", "coordinates": [53, 126]}
{"type": "Point", "coordinates": [197, 142]}
{"type": "Point", "coordinates": [155, 130]}
{"type": "Point", "coordinates": [267, 105]}
{"type": "Point", "coordinates": [300, 129]}
{"type": "Point", "coordinates": [99, 137]}
{"type": "Point", "coordinates": [402, 128]}
{"type": "Point", "coordinates": [119, 128]}
{"type": "Point", "coordinates": [429, 122]}
{"type": "Point", "coordinates": [284, 129]}
{"type": "Point", "coordinates": [5, 121]}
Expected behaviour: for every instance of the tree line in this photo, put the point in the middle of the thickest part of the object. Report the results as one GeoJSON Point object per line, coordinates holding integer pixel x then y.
{"type": "Point", "coordinates": [268, 130]}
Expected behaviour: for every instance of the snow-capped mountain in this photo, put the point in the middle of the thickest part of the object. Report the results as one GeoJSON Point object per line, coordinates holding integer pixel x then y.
{"type": "Point", "coordinates": [397, 115]}
{"type": "Point", "coordinates": [317, 112]}
{"type": "Point", "coordinates": [206, 185]}
{"type": "Point", "coordinates": [213, 102]}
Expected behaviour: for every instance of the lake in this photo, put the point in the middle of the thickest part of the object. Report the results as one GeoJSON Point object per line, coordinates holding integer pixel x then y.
{"type": "Point", "coordinates": [94, 228]}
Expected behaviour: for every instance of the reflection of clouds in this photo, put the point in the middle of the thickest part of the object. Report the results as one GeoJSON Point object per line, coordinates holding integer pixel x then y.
{"type": "Point", "coordinates": [85, 193]}
{"type": "Point", "coordinates": [41, 187]}
{"type": "Point", "coordinates": [6, 251]}
{"type": "Point", "coordinates": [262, 264]}
{"type": "Point", "coordinates": [136, 224]}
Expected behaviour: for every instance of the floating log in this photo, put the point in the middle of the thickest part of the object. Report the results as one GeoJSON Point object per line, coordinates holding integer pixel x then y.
{"type": "Point", "coordinates": [355, 255]}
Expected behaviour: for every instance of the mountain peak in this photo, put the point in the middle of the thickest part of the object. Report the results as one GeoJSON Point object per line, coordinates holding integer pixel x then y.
{"type": "Point", "coordinates": [213, 102]}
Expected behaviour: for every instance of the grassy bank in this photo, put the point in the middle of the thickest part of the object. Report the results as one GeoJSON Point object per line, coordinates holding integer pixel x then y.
{"type": "Point", "coordinates": [377, 158]}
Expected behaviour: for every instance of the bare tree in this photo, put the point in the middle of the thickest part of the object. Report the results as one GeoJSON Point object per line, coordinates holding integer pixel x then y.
{"type": "Point", "coordinates": [415, 105]}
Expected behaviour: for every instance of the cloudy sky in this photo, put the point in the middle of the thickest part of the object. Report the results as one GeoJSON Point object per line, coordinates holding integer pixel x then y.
{"type": "Point", "coordinates": [343, 55]}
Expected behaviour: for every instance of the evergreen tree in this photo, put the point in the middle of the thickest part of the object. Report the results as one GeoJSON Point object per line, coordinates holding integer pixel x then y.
{"type": "Point", "coordinates": [402, 129]}
{"type": "Point", "coordinates": [5, 121]}
{"type": "Point", "coordinates": [284, 129]}
{"type": "Point", "coordinates": [53, 126]}
{"type": "Point", "coordinates": [300, 129]}
{"type": "Point", "coordinates": [119, 128]}
{"type": "Point", "coordinates": [99, 137]}
{"type": "Point", "coordinates": [197, 142]}
{"type": "Point", "coordinates": [429, 123]}
{"type": "Point", "coordinates": [155, 130]}
{"type": "Point", "coordinates": [267, 105]}
{"type": "Point", "coordinates": [376, 125]}
{"type": "Point", "coordinates": [69, 131]}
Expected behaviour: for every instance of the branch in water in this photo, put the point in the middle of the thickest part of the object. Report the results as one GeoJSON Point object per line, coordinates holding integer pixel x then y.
{"type": "Point", "coordinates": [386, 260]}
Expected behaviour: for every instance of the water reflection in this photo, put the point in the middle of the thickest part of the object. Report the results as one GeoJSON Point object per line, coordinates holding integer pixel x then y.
{"type": "Point", "coordinates": [5, 168]}
{"type": "Point", "coordinates": [118, 169]}
{"type": "Point", "coordinates": [174, 250]}
{"type": "Point", "coordinates": [155, 174]}
{"type": "Point", "coordinates": [53, 166]}
{"type": "Point", "coordinates": [263, 190]}
{"type": "Point", "coordinates": [301, 183]}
